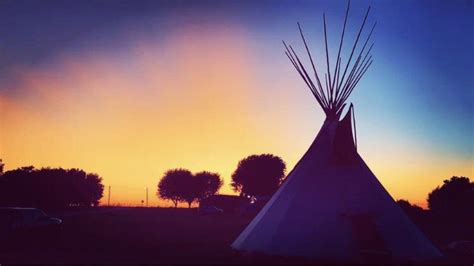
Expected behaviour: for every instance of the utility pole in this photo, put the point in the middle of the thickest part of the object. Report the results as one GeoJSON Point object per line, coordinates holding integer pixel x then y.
{"type": "Point", "coordinates": [147, 196]}
{"type": "Point", "coordinates": [108, 201]}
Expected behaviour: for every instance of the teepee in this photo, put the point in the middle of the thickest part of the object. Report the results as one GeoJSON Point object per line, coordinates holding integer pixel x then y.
{"type": "Point", "coordinates": [331, 206]}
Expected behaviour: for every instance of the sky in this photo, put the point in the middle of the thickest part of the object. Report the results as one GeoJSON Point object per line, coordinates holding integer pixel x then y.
{"type": "Point", "coordinates": [129, 89]}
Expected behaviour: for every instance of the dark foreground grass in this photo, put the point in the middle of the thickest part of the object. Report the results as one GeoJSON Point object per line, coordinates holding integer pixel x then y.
{"type": "Point", "coordinates": [135, 235]}
{"type": "Point", "coordinates": [141, 235]}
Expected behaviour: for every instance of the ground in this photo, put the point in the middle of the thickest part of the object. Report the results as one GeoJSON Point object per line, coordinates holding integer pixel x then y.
{"type": "Point", "coordinates": [136, 235]}
{"type": "Point", "coordinates": [140, 235]}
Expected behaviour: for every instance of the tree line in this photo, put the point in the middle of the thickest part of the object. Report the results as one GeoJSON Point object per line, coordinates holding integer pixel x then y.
{"type": "Point", "coordinates": [256, 175]}
{"type": "Point", "coordinates": [453, 199]}
{"type": "Point", "coordinates": [49, 188]}
{"type": "Point", "coordinates": [180, 185]}
{"type": "Point", "coordinates": [261, 175]}
{"type": "Point", "coordinates": [450, 213]}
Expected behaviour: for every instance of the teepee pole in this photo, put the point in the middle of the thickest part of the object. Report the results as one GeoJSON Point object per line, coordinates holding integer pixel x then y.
{"type": "Point", "coordinates": [312, 87]}
{"type": "Point", "coordinates": [303, 76]}
{"type": "Point", "coordinates": [355, 69]}
{"type": "Point", "coordinates": [338, 64]}
{"type": "Point", "coordinates": [367, 65]}
{"type": "Point", "coordinates": [354, 46]}
{"type": "Point", "coordinates": [338, 72]}
{"type": "Point", "coordinates": [359, 65]}
{"type": "Point", "coordinates": [347, 83]}
{"type": "Point", "coordinates": [354, 122]}
{"type": "Point", "coordinates": [356, 65]}
{"type": "Point", "coordinates": [312, 64]}
{"type": "Point", "coordinates": [355, 80]}
{"type": "Point", "coordinates": [328, 88]}
{"type": "Point", "coordinates": [338, 87]}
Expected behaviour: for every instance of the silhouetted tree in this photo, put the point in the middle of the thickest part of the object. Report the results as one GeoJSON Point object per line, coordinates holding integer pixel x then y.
{"type": "Point", "coordinates": [258, 175]}
{"type": "Point", "coordinates": [451, 214]}
{"type": "Point", "coordinates": [180, 185]}
{"type": "Point", "coordinates": [207, 184]}
{"type": "Point", "coordinates": [415, 212]}
{"type": "Point", "coordinates": [95, 189]}
{"type": "Point", "coordinates": [454, 198]}
{"type": "Point", "coordinates": [174, 185]}
{"type": "Point", "coordinates": [1, 167]}
{"type": "Point", "coordinates": [408, 207]}
{"type": "Point", "coordinates": [50, 188]}
{"type": "Point", "coordinates": [189, 190]}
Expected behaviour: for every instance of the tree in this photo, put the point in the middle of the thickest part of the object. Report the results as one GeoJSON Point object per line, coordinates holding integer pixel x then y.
{"type": "Point", "coordinates": [189, 189]}
{"type": "Point", "coordinates": [94, 189]}
{"type": "Point", "coordinates": [180, 185]}
{"type": "Point", "coordinates": [2, 165]}
{"type": "Point", "coordinates": [174, 186]}
{"type": "Point", "coordinates": [50, 188]}
{"type": "Point", "coordinates": [454, 198]}
{"type": "Point", "coordinates": [414, 212]}
{"type": "Point", "coordinates": [207, 184]}
{"type": "Point", "coordinates": [258, 175]}
{"type": "Point", "coordinates": [408, 207]}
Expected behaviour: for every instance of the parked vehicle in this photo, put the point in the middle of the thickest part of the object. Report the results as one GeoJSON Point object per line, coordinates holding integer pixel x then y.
{"type": "Point", "coordinates": [18, 224]}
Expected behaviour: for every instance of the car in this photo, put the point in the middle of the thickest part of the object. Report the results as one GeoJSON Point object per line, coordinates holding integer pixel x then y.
{"type": "Point", "coordinates": [18, 224]}
{"type": "Point", "coordinates": [209, 210]}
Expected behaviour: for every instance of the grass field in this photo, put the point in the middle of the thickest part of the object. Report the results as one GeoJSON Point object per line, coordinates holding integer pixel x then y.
{"type": "Point", "coordinates": [141, 235]}
{"type": "Point", "coordinates": [136, 235]}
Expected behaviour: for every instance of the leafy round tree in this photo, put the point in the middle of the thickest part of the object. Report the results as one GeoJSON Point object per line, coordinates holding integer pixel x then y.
{"type": "Point", "coordinates": [207, 184]}
{"type": "Point", "coordinates": [173, 185]}
{"type": "Point", "coordinates": [454, 197]}
{"type": "Point", "coordinates": [258, 175]}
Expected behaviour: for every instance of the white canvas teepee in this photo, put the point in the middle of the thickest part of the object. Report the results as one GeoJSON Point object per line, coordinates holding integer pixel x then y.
{"type": "Point", "coordinates": [331, 206]}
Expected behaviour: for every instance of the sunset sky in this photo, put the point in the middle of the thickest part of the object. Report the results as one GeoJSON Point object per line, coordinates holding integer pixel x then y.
{"type": "Point", "coordinates": [129, 89]}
